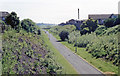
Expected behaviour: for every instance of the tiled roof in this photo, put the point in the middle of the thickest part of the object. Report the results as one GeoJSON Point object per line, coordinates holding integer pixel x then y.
{"type": "Point", "coordinates": [2, 14]}
{"type": "Point", "coordinates": [100, 16]}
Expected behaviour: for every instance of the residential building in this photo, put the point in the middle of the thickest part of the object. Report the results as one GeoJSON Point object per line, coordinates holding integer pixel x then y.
{"type": "Point", "coordinates": [102, 17]}
{"type": "Point", "coordinates": [3, 15]}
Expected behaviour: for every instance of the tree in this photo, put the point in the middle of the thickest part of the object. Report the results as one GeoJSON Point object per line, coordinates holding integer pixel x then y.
{"type": "Point", "coordinates": [117, 20]}
{"type": "Point", "coordinates": [88, 26]}
{"type": "Point", "coordinates": [64, 35]}
{"type": "Point", "coordinates": [100, 30]}
{"type": "Point", "coordinates": [109, 22]}
{"type": "Point", "coordinates": [12, 20]}
{"type": "Point", "coordinates": [30, 26]}
{"type": "Point", "coordinates": [39, 32]}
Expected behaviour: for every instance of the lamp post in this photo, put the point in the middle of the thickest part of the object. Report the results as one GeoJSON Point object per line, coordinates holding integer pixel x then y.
{"type": "Point", "coordinates": [76, 48]}
{"type": "Point", "coordinates": [76, 45]}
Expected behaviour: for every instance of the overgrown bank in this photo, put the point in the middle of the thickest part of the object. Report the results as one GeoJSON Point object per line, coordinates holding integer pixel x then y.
{"type": "Point", "coordinates": [27, 50]}
{"type": "Point", "coordinates": [98, 47]}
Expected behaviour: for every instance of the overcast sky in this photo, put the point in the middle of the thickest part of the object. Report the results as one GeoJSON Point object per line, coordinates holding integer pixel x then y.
{"type": "Point", "coordinates": [57, 11]}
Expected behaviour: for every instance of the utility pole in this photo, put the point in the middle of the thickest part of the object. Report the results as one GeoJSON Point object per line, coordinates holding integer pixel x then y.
{"type": "Point", "coordinates": [78, 14]}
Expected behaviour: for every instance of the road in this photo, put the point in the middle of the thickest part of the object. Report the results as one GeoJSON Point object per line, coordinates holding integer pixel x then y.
{"type": "Point", "coordinates": [81, 66]}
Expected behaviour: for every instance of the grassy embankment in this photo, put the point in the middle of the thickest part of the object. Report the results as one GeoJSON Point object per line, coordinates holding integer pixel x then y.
{"type": "Point", "coordinates": [0, 53]}
{"type": "Point", "coordinates": [67, 67]}
{"type": "Point", "coordinates": [98, 63]}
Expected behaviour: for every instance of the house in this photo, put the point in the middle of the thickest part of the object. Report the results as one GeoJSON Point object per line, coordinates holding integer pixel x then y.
{"type": "Point", "coordinates": [3, 15]}
{"type": "Point", "coordinates": [77, 23]}
{"type": "Point", "coordinates": [102, 17]}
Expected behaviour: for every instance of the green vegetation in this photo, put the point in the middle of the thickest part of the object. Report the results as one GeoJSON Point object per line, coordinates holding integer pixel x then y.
{"type": "Point", "coordinates": [13, 20]}
{"type": "Point", "coordinates": [64, 35]}
{"type": "Point", "coordinates": [27, 50]}
{"type": "Point", "coordinates": [26, 54]}
{"type": "Point", "coordinates": [99, 47]}
{"type": "Point", "coordinates": [88, 26]}
{"type": "Point", "coordinates": [30, 26]}
{"type": "Point", "coordinates": [58, 29]}
{"type": "Point", "coordinates": [110, 22]}
{"type": "Point", "coordinates": [24, 51]}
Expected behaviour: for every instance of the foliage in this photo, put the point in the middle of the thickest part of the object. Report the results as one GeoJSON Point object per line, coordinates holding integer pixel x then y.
{"type": "Point", "coordinates": [102, 43]}
{"type": "Point", "coordinates": [30, 26]}
{"type": "Point", "coordinates": [112, 30]}
{"type": "Point", "coordinates": [26, 53]}
{"type": "Point", "coordinates": [88, 26]}
{"type": "Point", "coordinates": [2, 27]}
{"type": "Point", "coordinates": [84, 40]}
{"type": "Point", "coordinates": [100, 30]}
{"type": "Point", "coordinates": [117, 20]}
{"type": "Point", "coordinates": [64, 35]}
{"type": "Point", "coordinates": [13, 20]}
{"type": "Point", "coordinates": [105, 47]}
{"type": "Point", "coordinates": [109, 22]}
{"type": "Point", "coordinates": [73, 36]}
{"type": "Point", "coordinates": [58, 29]}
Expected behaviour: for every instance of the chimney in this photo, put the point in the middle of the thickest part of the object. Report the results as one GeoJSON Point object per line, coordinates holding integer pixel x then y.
{"type": "Point", "coordinates": [78, 13]}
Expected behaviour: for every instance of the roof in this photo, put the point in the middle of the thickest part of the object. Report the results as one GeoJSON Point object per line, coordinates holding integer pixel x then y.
{"type": "Point", "coordinates": [101, 16]}
{"type": "Point", "coordinates": [2, 14]}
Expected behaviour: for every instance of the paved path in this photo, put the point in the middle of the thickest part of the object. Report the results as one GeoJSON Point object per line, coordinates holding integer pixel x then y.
{"type": "Point", "coordinates": [78, 63]}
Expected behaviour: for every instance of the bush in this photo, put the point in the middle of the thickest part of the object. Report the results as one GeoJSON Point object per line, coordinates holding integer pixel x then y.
{"type": "Point", "coordinates": [30, 26]}
{"type": "Point", "coordinates": [88, 26]}
{"type": "Point", "coordinates": [12, 20]}
{"type": "Point", "coordinates": [112, 21]}
{"type": "Point", "coordinates": [117, 20]}
{"type": "Point", "coordinates": [64, 35]}
{"type": "Point", "coordinates": [100, 30]}
{"type": "Point", "coordinates": [113, 30]}
{"type": "Point", "coordinates": [39, 32]}
{"type": "Point", "coordinates": [58, 29]}
{"type": "Point", "coordinates": [73, 36]}
{"type": "Point", "coordinates": [105, 47]}
{"type": "Point", "coordinates": [84, 40]}
{"type": "Point", "coordinates": [109, 22]}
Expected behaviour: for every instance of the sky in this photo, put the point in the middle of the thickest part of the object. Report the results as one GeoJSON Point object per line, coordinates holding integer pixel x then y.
{"type": "Point", "coordinates": [58, 11]}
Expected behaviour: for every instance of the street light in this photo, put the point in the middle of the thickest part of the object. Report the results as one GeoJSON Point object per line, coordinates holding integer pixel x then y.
{"type": "Point", "coordinates": [76, 44]}
{"type": "Point", "coordinates": [76, 48]}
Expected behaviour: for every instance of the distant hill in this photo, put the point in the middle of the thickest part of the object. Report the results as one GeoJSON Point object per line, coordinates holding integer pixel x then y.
{"type": "Point", "coordinates": [45, 24]}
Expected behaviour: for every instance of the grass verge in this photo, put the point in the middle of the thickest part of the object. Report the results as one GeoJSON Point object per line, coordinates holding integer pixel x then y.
{"type": "Point", "coordinates": [98, 63]}
{"type": "Point", "coordinates": [67, 67]}
{"type": "Point", "coordinates": [0, 54]}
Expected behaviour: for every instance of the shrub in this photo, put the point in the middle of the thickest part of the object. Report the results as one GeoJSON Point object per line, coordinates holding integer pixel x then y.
{"type": "Point", "coordinates": [109, 22]}
{"type": "Point", "coordinates": [112, 30]}
{"type": "Point", "coordinates": [30, 26]}
{"type": "Point", "coordinates": [12, 20]}
{"type": "Point", "coordinates": [58, 29]}
{"type": "Point", "coordinates": [73, 36]}
{"type": "Point", "coordinates": [88, 26]}
{"type": "Point", "coordinates": [39, 32]}
{"type": "Point", "coordinates": [105, 47]}
{"type": "Point", "coordinates": [100, 30]}
{"type": "Point", "coordinates": [64, 35]}
{"type": "Point", "coordinates": [84, 40]}
{"type": "Point", "coordinates": [117, 20]}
